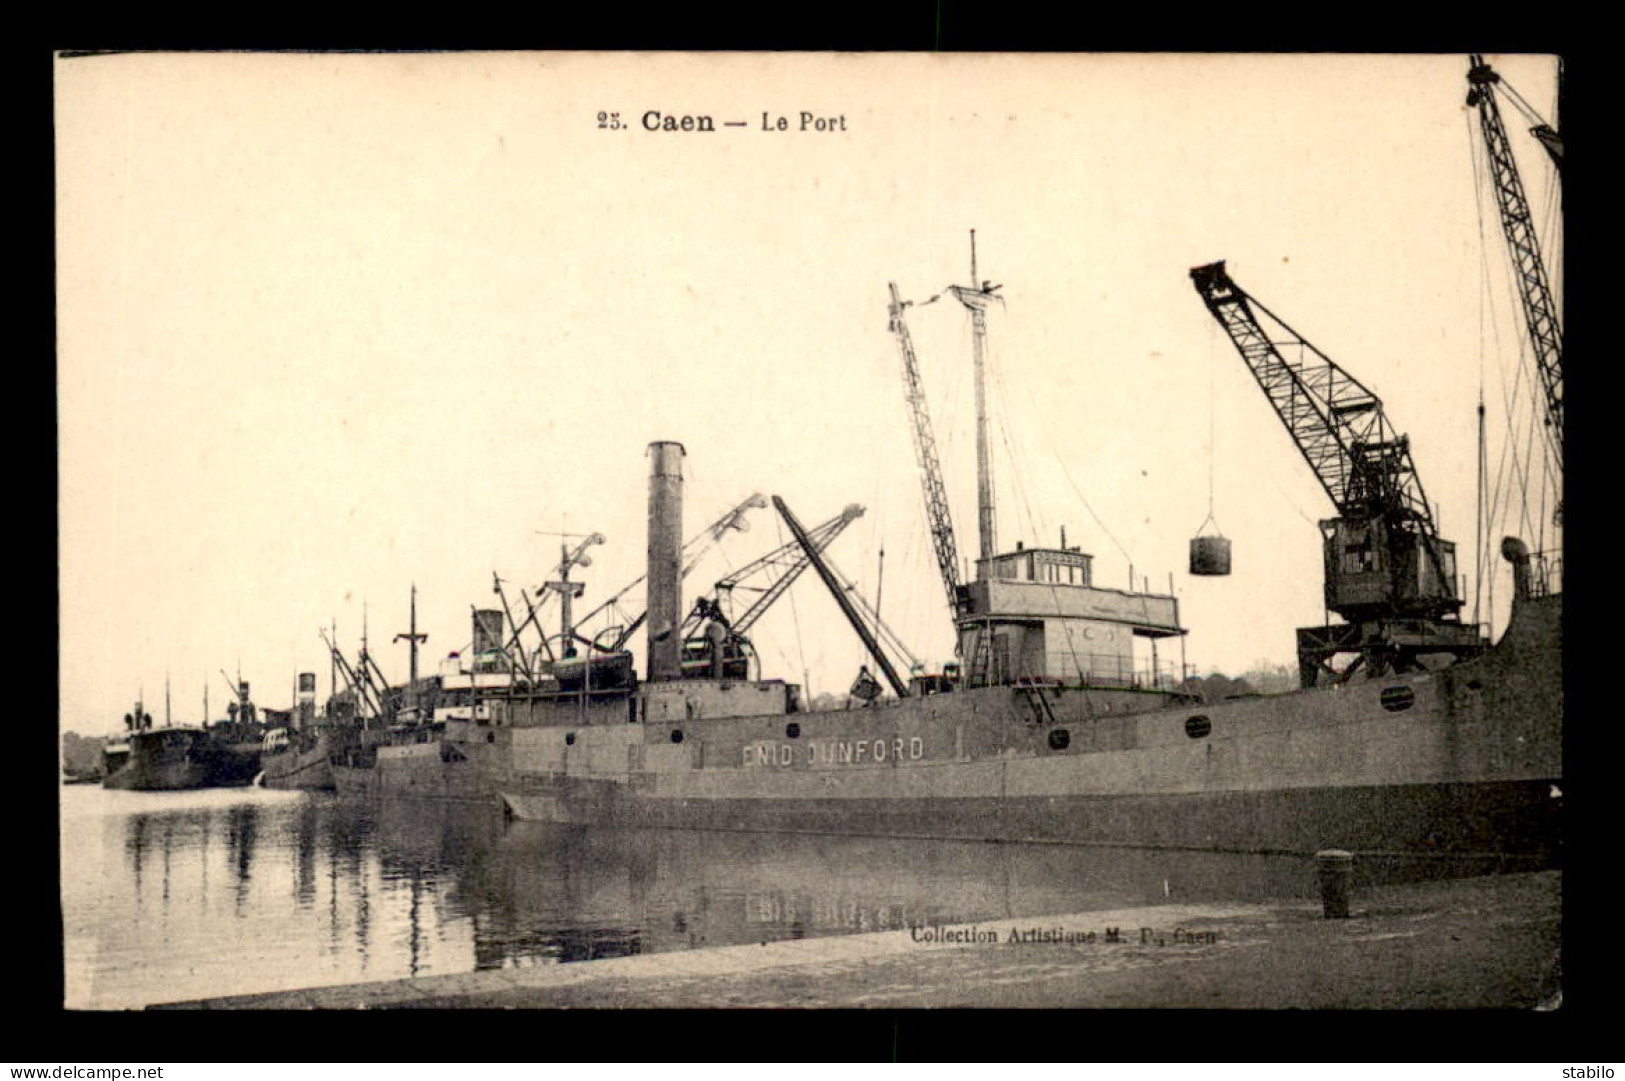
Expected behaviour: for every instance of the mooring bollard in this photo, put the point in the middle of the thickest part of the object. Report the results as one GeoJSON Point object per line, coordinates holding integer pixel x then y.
{"type": "Point", "coordinates": [1336, 868]}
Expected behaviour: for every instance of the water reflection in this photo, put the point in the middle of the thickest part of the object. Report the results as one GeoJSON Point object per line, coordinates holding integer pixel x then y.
{"type": "Point", "coordinates": [308, 891]}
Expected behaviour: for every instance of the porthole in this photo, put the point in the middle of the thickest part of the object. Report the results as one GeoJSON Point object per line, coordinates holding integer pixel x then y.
{"type": "Point", "coordinates": [677, 735]}
{"type": "Point", "coordinates": [569, 739]}
{"type": "Point", "coordinates": [1198, 726]}
{"type": "Point", "coordinates": [1059, 739]}
{"type": "Point", "coordinates": [1395, 699]}
{"type": "Point", "coordinates": [792, 730]}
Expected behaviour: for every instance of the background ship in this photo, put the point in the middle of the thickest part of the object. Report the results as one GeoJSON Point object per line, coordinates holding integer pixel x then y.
{"type": "Point", "coordinates": [298, 750]}
{"type": "Point", "coordinates": [173, 757]}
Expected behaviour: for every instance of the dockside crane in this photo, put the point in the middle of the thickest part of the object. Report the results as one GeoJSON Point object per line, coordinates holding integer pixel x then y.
{"type": "Point", "coordinates": [240, 708]}
{"type": "Point", "coordinates": [1517, 223]}
{"type": "Point", "coordinates": [1388, 572]}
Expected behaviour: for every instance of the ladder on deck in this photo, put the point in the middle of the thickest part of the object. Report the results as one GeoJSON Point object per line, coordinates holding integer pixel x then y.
{"type": "Point", "coordinates": [981, 661]}
{"type": "Point", "coordinates": [1043, 713]}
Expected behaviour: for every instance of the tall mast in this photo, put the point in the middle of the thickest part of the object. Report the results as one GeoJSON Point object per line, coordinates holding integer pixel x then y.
{"type": "Point", "coordinates": [413, 637]}
{"type": "Point", "coordinates": [568, 590]}
{"type": "Point", "coordinates": [976, 298]}
{"type": "Point", "coordinates": [333, 666]}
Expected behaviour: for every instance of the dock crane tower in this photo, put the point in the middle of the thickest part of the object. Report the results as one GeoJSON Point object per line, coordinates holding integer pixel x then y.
{"type": "Point", "coordinates": [1539, 309]}
{"type": "Point", "coordinates": [1388, 572]}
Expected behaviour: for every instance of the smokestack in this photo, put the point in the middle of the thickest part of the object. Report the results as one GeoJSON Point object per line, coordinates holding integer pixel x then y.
{"type": "Point", "coordinates": [665, 561]}
{"type": "Point", "coordinates": [305, 703]}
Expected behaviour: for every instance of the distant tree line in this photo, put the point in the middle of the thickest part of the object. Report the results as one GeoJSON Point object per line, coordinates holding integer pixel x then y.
{"type": "Point", "coordinates": [82, 754]}
{"type": "Point", "coordinates": [1263, 678]}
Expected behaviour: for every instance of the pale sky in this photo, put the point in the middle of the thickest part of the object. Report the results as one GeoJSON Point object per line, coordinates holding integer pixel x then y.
{"type": "Point", "coordinates": [331, 325]}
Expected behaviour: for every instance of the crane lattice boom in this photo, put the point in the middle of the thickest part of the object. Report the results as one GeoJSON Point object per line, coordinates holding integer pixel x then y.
{"type": "Point", "coordinates": [789, 561]}
{"type": "Point", "coordinates": [1337, 423]}
{"type": "Point", "coordinates": [925, 453]}
{"type": "Point", "coordinates": [1539, 309]}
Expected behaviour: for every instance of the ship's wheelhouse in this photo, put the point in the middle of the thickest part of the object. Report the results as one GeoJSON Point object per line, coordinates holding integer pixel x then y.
{"type": "Point", "coordinates": [1034, 615]}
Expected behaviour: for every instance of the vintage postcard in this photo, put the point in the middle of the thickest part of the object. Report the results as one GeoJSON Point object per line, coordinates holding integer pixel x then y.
{"type": "Point", "coordinates": [816, 530]}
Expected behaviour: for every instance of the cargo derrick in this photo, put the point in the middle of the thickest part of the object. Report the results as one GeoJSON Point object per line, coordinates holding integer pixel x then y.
{"type": "Point", "coordinates": [925, 453]}
{"type": "Point", "coordinates": [357, 685]}
{"type": "Point", "coordinates": [814, 556]}
{"type": "Point", "coordinates": [1388, 573]}
{"type": "Point", "coordinates": [1539, 308]}
{"type": "Point", "coordinates": [717, 646]}
{"type": "Point", "coordinates": [569, 590]}
{"type": "Point", "coordinates": [693, 551]}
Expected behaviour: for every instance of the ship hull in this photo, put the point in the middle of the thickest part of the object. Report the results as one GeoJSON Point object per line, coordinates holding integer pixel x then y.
{"type": "Point", "coordinates": [179, 759]}
{"type": "Point", "coordinates": [435, 770]}
{"type": "Point", "coordinates": [1465, 760]}
{"type": "Point", "coordinates": [309, 769]}
{"type": "Point", "coordinates": [1510, 820]}
{"type": "Point", "coordinates": [351, 781]}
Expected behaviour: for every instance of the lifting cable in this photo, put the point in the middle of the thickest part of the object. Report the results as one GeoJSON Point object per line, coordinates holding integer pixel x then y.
{"type": "Point", "coordinates": [795, 618]}
{"type": "Point", "coordinates": [1510, 454]}
{"type": "Point", "coordinates": [1015, 483]}
{"type": "Point", "coordinates": [1059, 459]}
{"type": "Point", "coordinates": [1212, 436]}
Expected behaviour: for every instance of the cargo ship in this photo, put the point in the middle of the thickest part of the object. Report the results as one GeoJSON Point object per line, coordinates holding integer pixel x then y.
{"type": "Point", "coordinates": [1411, 732]}
{"type": "Point", "coordinates": [1048, 735]}
{"type": "Point", "coordinates": [338, 750]}
{"type": "Point", "coordinates": [298, 760]}
{"type": "Point", "coordinates": [176, 757]}
{"type": "Point", "coordinates": [299, 747]}
{"type": "Point", "coordinates": [1431, 740]}
{"type": "Point", "coordinates": [396, 744]}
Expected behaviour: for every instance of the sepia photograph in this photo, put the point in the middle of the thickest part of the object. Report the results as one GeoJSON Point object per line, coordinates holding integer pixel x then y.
{"type": "Point", "coordinates": [689, 530]}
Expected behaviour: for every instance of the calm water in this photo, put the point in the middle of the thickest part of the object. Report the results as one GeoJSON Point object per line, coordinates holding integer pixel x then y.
{"type": "Point", "coordinates": [178, 895]}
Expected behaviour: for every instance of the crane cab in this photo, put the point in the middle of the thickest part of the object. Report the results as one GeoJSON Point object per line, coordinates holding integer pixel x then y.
{"type": "Point", "coordinates": [1375, 568]}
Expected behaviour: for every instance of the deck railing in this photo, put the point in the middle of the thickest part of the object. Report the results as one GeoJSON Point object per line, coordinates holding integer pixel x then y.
{"type": "Point", "coordinates": [1104, 671]}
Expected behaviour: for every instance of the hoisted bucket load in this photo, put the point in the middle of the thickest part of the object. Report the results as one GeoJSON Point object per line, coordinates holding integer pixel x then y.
{"type": "Point", "coordinates": [1210, 555]}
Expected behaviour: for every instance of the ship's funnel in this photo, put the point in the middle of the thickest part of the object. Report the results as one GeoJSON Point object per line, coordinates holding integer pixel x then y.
{"type": "Point", "coordinates": [305, 701]}
{"type": "Point", "coordinates": [665, 561]}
